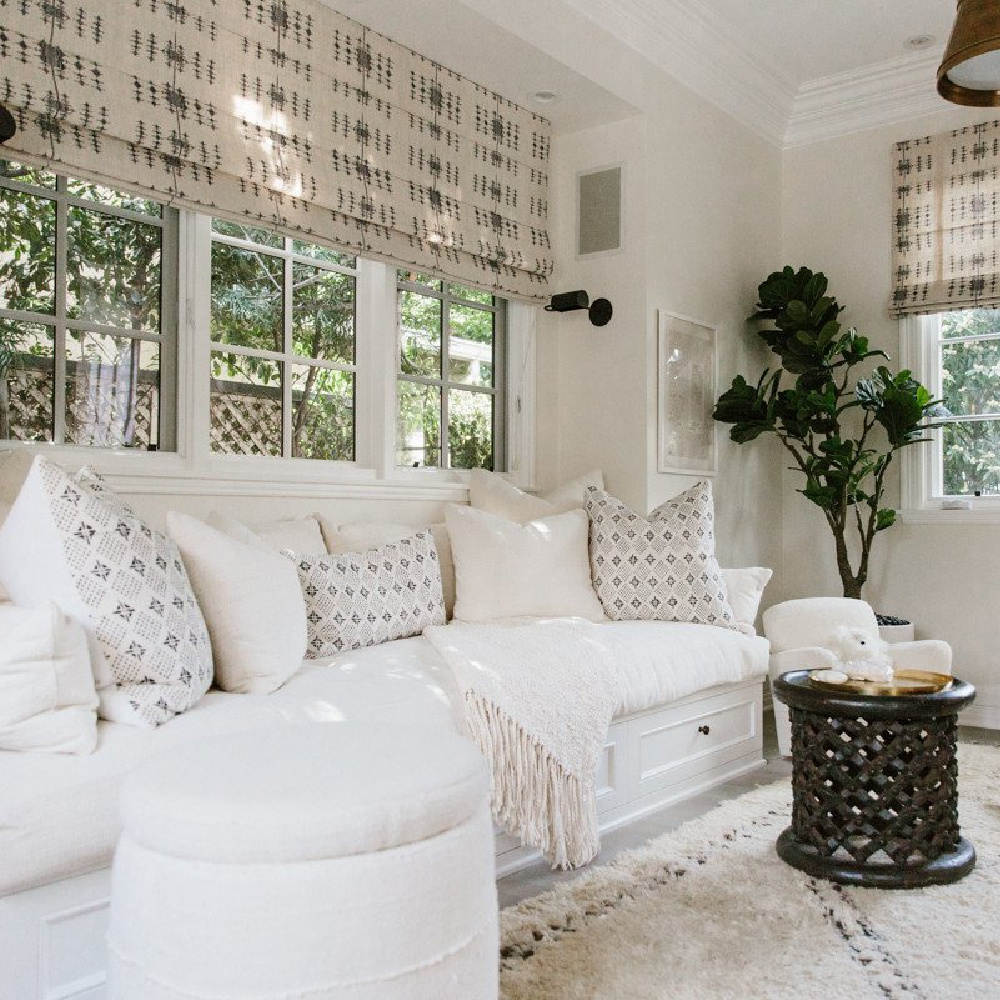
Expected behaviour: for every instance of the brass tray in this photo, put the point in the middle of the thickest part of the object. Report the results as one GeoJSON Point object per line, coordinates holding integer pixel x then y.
{"type": "Point", "coordinates": [903, 682]}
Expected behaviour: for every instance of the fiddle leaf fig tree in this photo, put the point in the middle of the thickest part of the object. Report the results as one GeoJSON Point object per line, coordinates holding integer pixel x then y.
{"type": "Point", "coordinates": [841, 431]}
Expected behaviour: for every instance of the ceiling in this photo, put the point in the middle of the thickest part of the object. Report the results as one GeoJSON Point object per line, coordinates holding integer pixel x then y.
{"type": "Point", "coordinates": [793, 70]}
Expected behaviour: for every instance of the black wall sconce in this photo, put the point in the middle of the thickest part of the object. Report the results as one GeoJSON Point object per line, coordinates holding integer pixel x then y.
{"type": "Point", "coordinates": [599, 310]}
{"type": "Point", "coordinates": [7, 124]}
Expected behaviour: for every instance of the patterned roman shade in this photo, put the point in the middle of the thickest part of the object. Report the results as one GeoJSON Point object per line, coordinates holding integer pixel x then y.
{"type": "Point", "coordinates": [285, 113]}
{"type": "Point", "coordinates": [946, 247]}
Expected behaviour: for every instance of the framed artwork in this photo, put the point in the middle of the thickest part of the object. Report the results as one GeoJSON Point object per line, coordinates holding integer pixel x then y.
{"type": "Point", "coordinates": [686, 364]}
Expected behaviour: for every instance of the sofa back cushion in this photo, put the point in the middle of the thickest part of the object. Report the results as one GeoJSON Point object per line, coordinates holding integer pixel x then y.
{"type": "Point", "coordinates": [811, 621]}
{"type": "Point", "coordinates": [492, 493]}
{"type": "Point", "coordinates": [509, 570]}
{"type": "Point", "coordinates": [744, 590]}
{"type": "Point", "coordinates": [252, 603]}
{"type": "Point", "coordinates": [73, 541]}
{"type": "Point", "coordinates": [661, 567]}
{"type": "Point", "coordinates": [364, 598]}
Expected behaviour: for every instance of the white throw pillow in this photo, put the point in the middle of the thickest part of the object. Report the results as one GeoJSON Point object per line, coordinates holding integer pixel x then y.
{"type": "Point", "coordinates": [492, 493]}
{"type": "Point", "coordinates": [660, 568]}
{"type": "Point", "coordinates": [361, 599]}
{"type": "Point", "coordinates": [371, 534]}
{"type": "Point", "coordinates": [744, 589]}
{"type": "Point", "coordinates": [301, 534]}
{"type": "Point", "coordinates": [252, 603]}
{"type": "Point", "coordinates": [47, 697]}
{"type": "Point", "coordinates": [4, 511]}
{"type": "Point", "coordinates": [76, 543]}
{"type": "Point", "coordinates": [509, 570]}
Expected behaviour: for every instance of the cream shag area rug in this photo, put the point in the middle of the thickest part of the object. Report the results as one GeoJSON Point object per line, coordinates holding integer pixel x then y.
{"type": "Point", "coordinates": [710, 912]}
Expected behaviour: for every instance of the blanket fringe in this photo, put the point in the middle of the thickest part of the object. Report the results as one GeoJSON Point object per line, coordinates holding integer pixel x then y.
{"type": "Point", "coordinates": [534, 797]}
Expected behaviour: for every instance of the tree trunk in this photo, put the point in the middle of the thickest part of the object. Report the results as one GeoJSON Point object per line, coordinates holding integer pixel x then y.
{"type": "Point", "coordinates": [4, 407]}
{"type": "Point", "coordinates": [853, 583]}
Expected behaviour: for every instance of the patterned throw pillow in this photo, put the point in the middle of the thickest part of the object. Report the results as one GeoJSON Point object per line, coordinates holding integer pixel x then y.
{"type": "Point", "coordinates": [660, 568]}
{"type": "Point", "coordinates": [365, 598]}
{"type": "Point", "coordinates": [76, 543]}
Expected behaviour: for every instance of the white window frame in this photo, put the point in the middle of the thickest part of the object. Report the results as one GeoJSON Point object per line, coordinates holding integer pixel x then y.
{"type": "Point", "coordinates": [923, 501]}
{"type": "Point", "coordinates": [194, 470]}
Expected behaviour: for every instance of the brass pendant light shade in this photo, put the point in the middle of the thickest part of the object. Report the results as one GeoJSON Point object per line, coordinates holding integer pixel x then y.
{"type": "Point", "coordinates": [970, 71]}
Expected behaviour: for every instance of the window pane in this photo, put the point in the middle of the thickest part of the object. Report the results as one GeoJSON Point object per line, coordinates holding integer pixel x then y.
{"type": "Point", "coordinates": [418, 433]}
{"type": "Point", "coordinates": [470, 294]}
{"type": "Point", "coordinates": [970, 323]}
{"type": "Point", "coordinates": [116, 199]}
{"type": "Point", "coordinates": [470, 346]}
{"type": "Point", "coordinates": [27, 381]}
{"type": "Point", "coordinates": [253, 234]}
{"type": "Point", "coordinates": [971, 457]}
{"type": "Point", "coordinates": [470, 430]}
{"type": "Point", "coordinates": [419, 335]}
{"type": "Point", "coordinates": [112, 391]}
{"type": "Point", "coordinates": [418, 278]}
{"type": "Point", "coordinates": [247, 298]}
{"type": "Point", "coordinates": [27, 252]}
{"type": "Point", "coordinates": [246, 405]}
{"type": "Point", "coordinates": [113, 266]}
{"type": "Point", "coordinates": [323, 253]}
{"type": "Point", "coordinates": [322, 413]}
{"type": "Point", "coordinates": [322, 314]}
{"type": "Point", "coordinates": [970, 377]}
{"type": "Point", "coordinates": [24, 174]}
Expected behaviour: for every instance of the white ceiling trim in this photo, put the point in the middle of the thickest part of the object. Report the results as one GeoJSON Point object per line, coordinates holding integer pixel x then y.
{"type": "Point", "coordinates": [688, 40]}
{"type": "Point", "coordinates": [889, 92]}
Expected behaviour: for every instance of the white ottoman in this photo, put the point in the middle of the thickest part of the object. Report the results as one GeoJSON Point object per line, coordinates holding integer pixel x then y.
{"type": "Point", "coordinates": [335, 860]}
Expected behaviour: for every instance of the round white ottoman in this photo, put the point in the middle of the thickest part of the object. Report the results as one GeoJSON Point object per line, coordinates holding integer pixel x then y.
{"type": "Point", "coordinates": [334, 860]}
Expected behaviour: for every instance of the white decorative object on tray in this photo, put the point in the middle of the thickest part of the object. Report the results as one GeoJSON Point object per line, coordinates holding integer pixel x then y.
{"type": "Point", "coordinates": [685, 395]}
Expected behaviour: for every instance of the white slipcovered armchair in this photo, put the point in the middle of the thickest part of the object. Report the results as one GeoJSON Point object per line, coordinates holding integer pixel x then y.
{"type": "Point", "coordinates": [796, 631]}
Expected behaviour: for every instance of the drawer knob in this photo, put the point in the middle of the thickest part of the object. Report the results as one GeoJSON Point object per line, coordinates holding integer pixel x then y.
{"type": "Point", "coordinates": [704, 730]}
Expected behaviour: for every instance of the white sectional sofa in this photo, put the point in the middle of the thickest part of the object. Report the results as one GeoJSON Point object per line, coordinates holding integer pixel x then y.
{"type": "Point", "coordinates": [688, 717]}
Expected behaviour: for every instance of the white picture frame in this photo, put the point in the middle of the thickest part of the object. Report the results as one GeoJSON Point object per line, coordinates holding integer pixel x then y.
{"type": "Point", "coordinates": [686, 374]}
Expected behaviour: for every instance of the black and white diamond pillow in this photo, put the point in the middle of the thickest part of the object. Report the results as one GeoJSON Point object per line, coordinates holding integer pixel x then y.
{"type": "Point", "coordinates": [660, 568]}
{"type": "Point", "coordinates": [124, 581]}
{"type": "Point", "coordinates": [365, 598]}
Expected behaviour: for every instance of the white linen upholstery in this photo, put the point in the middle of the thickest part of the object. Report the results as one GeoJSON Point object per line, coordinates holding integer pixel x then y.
{"type": "Point", "coordinates": [798, 631]}
{"type": "Point", "coordinates": [59, 815]}
{"type": "Point", "coordinates": [47, 697]}
{"type": "Point", "coordinates": [4, 511]}
{"type": "Point", "coordinates": [490, 492]}
{"type": "Point", "coordinates": [301, 534]}
{"type": "Point", "coordinates": [507, 570]}
{"type": "Point", "coordinates": [330, 861]}
{"type": "Point", "coordinates": [744, 590]}
{"type": "Point", "coordinates": [252, 603]}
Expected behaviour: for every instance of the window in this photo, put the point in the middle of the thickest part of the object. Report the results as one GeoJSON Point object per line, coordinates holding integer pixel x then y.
{"type": "Point", "coordinates": [88, 317]}
{"type": "Point", "coordinates": [283, 346]}
{"type": "Point", "coordinates": [962, 368]}
{"type": "Point", "coordinates": [450, 409]}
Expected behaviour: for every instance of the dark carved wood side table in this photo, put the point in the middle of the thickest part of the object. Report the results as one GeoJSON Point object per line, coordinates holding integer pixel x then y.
{"type": "Point", "coordinates": [875, 785]}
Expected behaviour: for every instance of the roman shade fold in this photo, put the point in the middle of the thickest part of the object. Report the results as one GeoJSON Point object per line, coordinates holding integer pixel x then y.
{"type": "Point", "coordinates": [287, 114]}
{"type": "Point", "coordinates": [946, 240]}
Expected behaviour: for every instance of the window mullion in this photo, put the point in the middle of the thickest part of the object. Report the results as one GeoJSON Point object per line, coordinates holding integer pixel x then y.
{"type": "Point", "coordinates": [59, 339]}
{"type": "Point", "coordinates": [286, 365]}
{"type": "Point", "coordinates": [444, 451]}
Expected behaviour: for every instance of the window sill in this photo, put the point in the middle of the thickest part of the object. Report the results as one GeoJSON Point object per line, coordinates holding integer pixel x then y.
{"type": "Point", "coordinates": [937, 516]}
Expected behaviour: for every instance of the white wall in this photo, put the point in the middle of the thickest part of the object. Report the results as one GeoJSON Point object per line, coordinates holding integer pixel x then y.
{"type": "Point", "coordinates": [702, 227]}
{"type": "Point", "coordinates": [837, 212]}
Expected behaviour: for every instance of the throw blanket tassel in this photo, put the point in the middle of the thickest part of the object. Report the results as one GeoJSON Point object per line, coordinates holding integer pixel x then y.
{"type": "Point", "coordinates": [534, 797]}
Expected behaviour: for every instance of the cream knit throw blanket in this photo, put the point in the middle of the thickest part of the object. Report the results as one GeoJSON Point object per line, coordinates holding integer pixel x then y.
{"type": "Point", "coordinates": [538, 700]}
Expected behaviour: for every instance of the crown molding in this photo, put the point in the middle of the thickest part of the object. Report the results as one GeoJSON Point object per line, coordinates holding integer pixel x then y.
{"type": "Point", "coordinates": [883, 94]}
{"type": "Point", "coordinates": [690, 42]}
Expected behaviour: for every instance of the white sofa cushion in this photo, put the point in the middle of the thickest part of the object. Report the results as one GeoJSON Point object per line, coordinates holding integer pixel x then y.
{"type": "Point", "coordinates": [47, 696]}
{"type": "Point", "coordinates": [76, 543]}
{"type": "Point", "coordinates": [508, 570]}
{"type": "Point", "coordinates": [252, 603]}
{"type": "Point", "coordinates": [300, 534]}
{"type": "Point", "coordinates": [661, 567]}
{"type": "Point", "coordinates": [744, 590]}
{"type": "Point", "coordinates": [490, 492]}
{"type": "Point", "coordinates": [811, 621]}
{"type": "Point", "coordinates": [361, 535]}
{"type": "Point", "coordinates": [365, 598]}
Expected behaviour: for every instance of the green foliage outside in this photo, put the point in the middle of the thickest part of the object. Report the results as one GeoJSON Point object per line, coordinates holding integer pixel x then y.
{"type": "Point", "coordinates": [841, 431]}
{"type": "Point", "coordinates": [470, 414]}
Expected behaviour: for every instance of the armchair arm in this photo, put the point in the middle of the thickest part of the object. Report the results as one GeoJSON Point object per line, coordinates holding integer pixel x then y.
{"type": "Point", "coordinates": [805, 658]}
{"type": "Point", "coordinates": [923, 654]}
